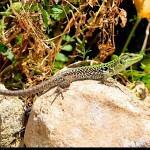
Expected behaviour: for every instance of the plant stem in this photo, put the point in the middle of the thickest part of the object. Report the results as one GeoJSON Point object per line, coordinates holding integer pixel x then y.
{"type": "Point", "coordinates": [146, 36]}
{"type": "Point", "coordinates": [131, 34]}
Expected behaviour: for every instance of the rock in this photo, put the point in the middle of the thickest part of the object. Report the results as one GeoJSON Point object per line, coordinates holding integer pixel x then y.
{"type": "Point", "coordinates": [91, 115]}
{"type": "Point", "coordinates": [11, 121]}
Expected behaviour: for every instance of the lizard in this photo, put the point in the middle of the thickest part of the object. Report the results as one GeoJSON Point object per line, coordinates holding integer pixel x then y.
{"type": "Point", "coordinates": [63, 79]}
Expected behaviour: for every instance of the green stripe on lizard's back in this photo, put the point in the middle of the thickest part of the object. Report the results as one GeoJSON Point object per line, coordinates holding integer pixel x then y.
{"type": "Point", "coordinates": [95, 72]}
{"type": "Point", "coordinates": [104, 70]}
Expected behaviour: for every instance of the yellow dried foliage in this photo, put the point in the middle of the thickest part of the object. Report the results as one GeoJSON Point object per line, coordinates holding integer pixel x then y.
{"type": "Point", "coordinates": [143, 8]}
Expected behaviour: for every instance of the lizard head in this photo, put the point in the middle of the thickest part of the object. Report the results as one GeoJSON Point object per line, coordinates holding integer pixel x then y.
{"type": "Point", "coordinates": [126, 60]}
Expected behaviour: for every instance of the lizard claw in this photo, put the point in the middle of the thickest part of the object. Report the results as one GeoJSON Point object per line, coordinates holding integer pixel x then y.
{"type": "Point", "coordinates": [58, 91]}
{"type": "Point", "coordinates": [110, 82]}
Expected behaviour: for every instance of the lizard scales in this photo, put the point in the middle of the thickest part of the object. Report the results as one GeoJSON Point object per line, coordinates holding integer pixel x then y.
{"type": "Point", "coordinates": [96, 72]}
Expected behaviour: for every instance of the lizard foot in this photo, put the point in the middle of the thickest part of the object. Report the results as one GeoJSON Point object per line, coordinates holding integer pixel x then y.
{"type": "Point", "coordinates": [59, 91]}
{"type": "Point", "coordinates": [110, 82]}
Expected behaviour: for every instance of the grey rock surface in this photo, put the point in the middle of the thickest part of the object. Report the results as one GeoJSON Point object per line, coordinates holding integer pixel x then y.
{"type": "Point", "coordinates": [91, 115]}
{"type": "Point", "coordinates": [11, 121]}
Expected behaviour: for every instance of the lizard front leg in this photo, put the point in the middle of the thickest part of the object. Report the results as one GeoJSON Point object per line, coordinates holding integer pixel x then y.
{"type": "Point", "coordinates": [110, 82]}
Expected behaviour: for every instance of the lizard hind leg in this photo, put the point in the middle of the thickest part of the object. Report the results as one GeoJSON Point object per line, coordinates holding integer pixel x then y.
{"type": "Point", "coordinates": [58, 91]}
{"type": "Point", "coordinates": [62, 87]}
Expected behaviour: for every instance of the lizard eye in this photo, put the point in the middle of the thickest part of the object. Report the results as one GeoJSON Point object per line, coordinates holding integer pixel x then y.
{"type": "Point", "coordinates": [130, 56]}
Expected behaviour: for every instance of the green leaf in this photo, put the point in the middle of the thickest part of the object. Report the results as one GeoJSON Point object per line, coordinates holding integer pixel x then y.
{"type": "Point", "coordinates": [45, 16]}
{"type": "Point", "coordinates": [19, 40]}
{"type": "Point", "coordinates": [6, 52]}
{"type": "Point", "coordinates": [58, 65]}
{"type": "Point", "coordinates": [68, 38]}
{"type": "Point", "coordinates": [17, 6]}
{"type": "Point", "coordinates": [79, 41]}
{"type": "Point", "coordinates": [114, 57]}
{"type": "Point", "coordinates": [61, 57]}
{"type": "Point", "coordinates": [57, 12]}
{"type": "Point", "coordinates": [146, 80]}
{"type": "Point", "coordinates": [129, 73]}
{"type": "Point", "coordinates": [45, 2]}
{"type": "Point", "coordinates": [133, 19]}
{"type": "Point", "coordinates": [75, 2]}
{"type": "Point", "coordinates": [145, 64]}
{"type": "Point", "coordinates": [18, 76]}
{"type": "Point", "coordinates": [34, 7]}
{"type": "Point", "coordinates": [67, 48]}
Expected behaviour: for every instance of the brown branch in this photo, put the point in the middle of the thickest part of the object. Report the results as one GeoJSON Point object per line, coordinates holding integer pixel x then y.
{"type": "Point", "coordinates": [16, 14]}
{"type": "Point", "coordinates": [69, 25]}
